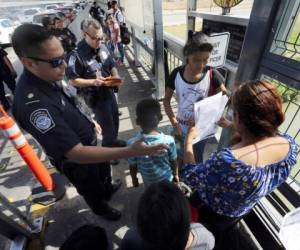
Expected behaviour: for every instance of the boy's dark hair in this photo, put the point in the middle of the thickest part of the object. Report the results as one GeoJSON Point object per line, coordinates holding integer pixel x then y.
{"type": "Point", "coordinates": [148, 114]}
{"type": "Point", "coordinates": [197, 42]}
{"type": "Point", "coordinates": [163, 218]}
{"type": "Point", "coordinates": [27, 38]}
{"type": "Point", "coordinates": [114, 3]}
{"type": "Point", "coordinates": [86, 237]}
{"type": "Point", "coordinates": [47, 20]}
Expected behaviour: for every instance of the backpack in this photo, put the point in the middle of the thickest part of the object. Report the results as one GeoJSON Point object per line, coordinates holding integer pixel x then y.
{"type": "Point", "coordinates": [125, 34]}
{"type": "Point", "coordinates": [213, 89]}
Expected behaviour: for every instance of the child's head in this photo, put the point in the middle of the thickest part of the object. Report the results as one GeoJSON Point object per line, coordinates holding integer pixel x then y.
{"type": "Point", "coordinates": [163, 218]}
{"type": "Point", "coordinates": [86, 237]}
{"type": "Point", "coordinates": [148, 114]}
{"type": "Point", "coordinates": [197, 51]}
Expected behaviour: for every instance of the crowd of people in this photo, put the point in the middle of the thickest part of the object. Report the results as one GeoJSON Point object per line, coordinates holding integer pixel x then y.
{"type": "Point", "coordinates": [63, 101]}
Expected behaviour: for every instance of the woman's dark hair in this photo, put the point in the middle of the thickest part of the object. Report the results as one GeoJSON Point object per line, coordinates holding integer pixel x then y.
{"type": "Point", "coordinates": [27, 38]}
{"type": "Point", "coordinates": [163, 219]}
{"type": "Point", "coordinates": [148, 114]}
{"type": "Point", "coordinates": [197, 42]}
{"type": "Point", "coordinates": [259, 107]}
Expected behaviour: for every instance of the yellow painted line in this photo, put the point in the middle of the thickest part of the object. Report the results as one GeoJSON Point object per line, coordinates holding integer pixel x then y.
{"type": "Point", "coordinates": [38, 210]}
{"type": "Point", "coordinates": [52, 170]}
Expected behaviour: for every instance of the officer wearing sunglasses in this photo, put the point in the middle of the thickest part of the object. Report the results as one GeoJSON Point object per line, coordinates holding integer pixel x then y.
{"type": "Point", "coordinates": [45, 108]}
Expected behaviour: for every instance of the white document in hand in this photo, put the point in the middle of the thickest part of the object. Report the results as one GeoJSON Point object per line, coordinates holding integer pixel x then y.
{"type": "Point", "coordinates": [207, 113]}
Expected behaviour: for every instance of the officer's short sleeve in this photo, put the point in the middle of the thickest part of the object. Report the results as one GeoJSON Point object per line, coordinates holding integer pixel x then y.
{"type": "Point", "coordinates": [75, 69]}
{"type": "Point", "coordinates": [107, 66]}
{"type": "Point", "coordinates": [47, 125]}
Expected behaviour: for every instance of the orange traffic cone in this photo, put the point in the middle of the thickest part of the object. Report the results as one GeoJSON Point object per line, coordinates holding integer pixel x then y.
{"type": "Point", "coordinates": [14, 134]}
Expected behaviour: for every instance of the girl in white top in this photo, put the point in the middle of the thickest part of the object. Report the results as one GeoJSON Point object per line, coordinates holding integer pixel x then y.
{"type": "Point", "coordinates": [192, 82]}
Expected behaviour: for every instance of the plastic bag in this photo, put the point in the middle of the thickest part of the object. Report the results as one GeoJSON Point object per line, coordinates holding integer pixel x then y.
{"type": "Point", "coordinates": [116, 51]}
{"type": "Point", "coordinates": [290, 230]}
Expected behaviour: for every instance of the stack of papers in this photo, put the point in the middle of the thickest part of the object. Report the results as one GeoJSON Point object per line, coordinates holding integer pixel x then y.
{"type": "Point", "coordinates": [207, 113]}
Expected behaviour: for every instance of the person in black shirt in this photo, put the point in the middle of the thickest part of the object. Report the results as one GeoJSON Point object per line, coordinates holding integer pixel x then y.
{"type": "Point", "coordinates": [65, 35]}
{"type": "Point", "coordinates": [97, 13]}
{"type": "Point", "coordinates": [48, 22]}
{"type": "Point", "coordinates": [8, 76]}
{"type": "Point", "coordinates": [51, 113]}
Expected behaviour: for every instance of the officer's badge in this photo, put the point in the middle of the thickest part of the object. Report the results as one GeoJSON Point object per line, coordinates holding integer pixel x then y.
{"type": "Point", "coordinates": [42, 120]}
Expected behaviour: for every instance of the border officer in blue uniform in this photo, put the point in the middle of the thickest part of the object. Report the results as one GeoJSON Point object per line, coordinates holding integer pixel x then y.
{"type": "Point", "coordinates": [51, 113]}
{"type": "Point", "coordinates": [88, 65]}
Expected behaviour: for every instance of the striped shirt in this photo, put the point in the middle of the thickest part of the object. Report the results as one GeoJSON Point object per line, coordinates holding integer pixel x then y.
{"type": "Point", "coordinates": [155, 168]}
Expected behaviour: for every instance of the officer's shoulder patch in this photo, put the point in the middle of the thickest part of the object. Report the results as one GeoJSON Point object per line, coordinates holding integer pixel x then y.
{"type": "Point", "coordinates": [42, 120]}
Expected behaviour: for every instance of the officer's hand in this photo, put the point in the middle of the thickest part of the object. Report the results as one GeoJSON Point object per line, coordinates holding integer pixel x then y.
{"type": "Point", "coordinates": [98, 82]}
{"type": "Point", "coordinates": [97, 127]}
{"type": "Point", "coordinates": [140, 148]}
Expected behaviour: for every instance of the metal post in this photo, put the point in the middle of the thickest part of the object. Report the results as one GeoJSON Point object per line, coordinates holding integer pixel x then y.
{"type": "Point", "coordinates": [283, 32]}
{"type": "Point", "coordinates": [11, 229]}
{"type": "Point", "coordinates": [191, 20]}
{"type": "Point", "coordinates": [17, 212]}
{"type": "Point", "coordinates": [260, 24]}
{"type": "Point", "coordinates": [135, 48]}
{"type": "Point", "coordinates": [159, 49]}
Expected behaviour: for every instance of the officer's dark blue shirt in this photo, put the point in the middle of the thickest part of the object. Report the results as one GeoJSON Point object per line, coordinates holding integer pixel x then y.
{"type": "Point", "coordinates": [51, 116]}
{"type": "Point", "coordinates": [86, 62]}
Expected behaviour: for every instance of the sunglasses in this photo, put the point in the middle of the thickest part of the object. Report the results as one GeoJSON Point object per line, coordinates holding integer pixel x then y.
{"type": "Point", "coordinates": [94, 38]}
{"type": "Point", "coordinates": [55, 62]}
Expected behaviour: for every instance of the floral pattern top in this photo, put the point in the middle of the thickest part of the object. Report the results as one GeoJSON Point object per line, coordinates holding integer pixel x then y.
{"type": "Point", "coordinates": [231, 187]}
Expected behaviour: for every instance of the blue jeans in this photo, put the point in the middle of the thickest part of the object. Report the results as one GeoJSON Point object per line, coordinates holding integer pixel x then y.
{"type": "Point", "coordinates": [120, 48]}
{"type": "Point", "coordinates": [198, 148]}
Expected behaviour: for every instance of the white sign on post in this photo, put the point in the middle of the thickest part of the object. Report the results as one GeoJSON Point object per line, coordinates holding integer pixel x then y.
{"type": "Point", "coordinates": [220, 43]}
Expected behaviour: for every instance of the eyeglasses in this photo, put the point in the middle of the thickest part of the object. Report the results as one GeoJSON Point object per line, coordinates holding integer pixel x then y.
{"type": "Point", "coordinates": [55, 62]}
{"type": "Point", "coordinates": [98, 39]}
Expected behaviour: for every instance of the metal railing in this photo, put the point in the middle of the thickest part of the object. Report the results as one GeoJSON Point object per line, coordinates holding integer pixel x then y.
{"type": "Point", "coordinates": [286, 42]}
{"type": "Point", "coordinates": [291, 105]}
{"type": "Point", "coordinates": [173, 47]}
